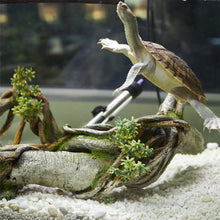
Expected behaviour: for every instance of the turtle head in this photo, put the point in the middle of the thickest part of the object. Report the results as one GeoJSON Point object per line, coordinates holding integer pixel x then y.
{"type": "Point", "coordinates": [125, 13]}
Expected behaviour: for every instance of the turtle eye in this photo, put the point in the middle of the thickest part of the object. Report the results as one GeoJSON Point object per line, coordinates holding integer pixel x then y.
{"type": "Point", "coordinates": [124, 6]}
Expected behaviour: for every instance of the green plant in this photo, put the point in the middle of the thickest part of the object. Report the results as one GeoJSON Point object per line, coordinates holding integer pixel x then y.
{"type": "Point", "coordinates": [107, 199]}
{"type": "Point", "coordinates": [28, 107]}
{"type": "Point", "coordinates": [174, 114]}
{"type": "Point", "coordinates": [136, 149]}
{"type": "Point", "coordinates": [126, 131]}
{"type": "Point", "coordinates": [135, 152]}
{"type": "Point", "coordinates": [129, 169]}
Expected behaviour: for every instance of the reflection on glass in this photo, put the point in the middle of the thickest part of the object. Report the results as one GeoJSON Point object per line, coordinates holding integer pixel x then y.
{"type": "Point", "coordinates": [60, 40]}
{"type": "Point", "coordinates": [95, 12]}
{"type": "Point", "coordinates": [3, 14]}
{"type": "Point", "coordinates": [3, 18]}
{"type": "Point", "coordinates": [48, 13]}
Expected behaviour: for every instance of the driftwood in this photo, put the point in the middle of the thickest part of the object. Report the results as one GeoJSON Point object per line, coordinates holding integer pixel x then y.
{"type": "Point", "coordinates": [84, 157]}
{"type": "Point", "coordinates": [80, 160]}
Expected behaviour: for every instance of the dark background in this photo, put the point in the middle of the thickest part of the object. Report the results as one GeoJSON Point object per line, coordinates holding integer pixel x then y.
{"type": "Point", "coordinates": [59, 41]}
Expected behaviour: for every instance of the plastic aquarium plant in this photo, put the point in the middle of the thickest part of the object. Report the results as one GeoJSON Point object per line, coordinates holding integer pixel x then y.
{"type": "Point", "coordinates": [29, 107]}
{"type": "Point", "coordinates": [26, 101]}
{"type": "Point", "coordinates": [134, 151]}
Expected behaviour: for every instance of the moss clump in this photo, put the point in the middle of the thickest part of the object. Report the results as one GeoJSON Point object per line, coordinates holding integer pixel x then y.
{"type": "Point", "coordinates": [98, 177]}
{"type": "Point", "coordinates": [59, 144]}
{"type": "Point", "coordinates": [107, 158]}
{"type": "Point", "coordinates": [107, 199]}
{"type": "Point", "coordinates": [174, 114]}
{"type": "Point", "coordinates": [3, 165]}
{"type": "Point", "coordinates": [106, 155]}
{"type": "Point", "coordinates": [8, 191]}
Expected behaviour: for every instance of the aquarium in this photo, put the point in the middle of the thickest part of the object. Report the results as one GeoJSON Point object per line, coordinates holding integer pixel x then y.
{"type": "Point", "coordinates": [77, 148]}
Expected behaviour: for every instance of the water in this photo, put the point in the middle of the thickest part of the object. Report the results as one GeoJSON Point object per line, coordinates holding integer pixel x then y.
{"type": "Point", "coordinates": [78, 114]}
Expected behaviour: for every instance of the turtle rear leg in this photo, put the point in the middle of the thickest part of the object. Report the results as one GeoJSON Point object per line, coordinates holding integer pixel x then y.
{"type": "Point", "coordinates": [179, 109]}
{"type": "Point", "coordinates": [168, 104]}
{"type": "Point", "coordinates": [172, 106]}
{"type": "Point", "coordinates": [211, 121]}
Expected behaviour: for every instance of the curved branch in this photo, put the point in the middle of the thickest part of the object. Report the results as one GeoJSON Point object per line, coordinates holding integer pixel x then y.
{"type": "Point", "coordinates": [19, 132]}
{"type": "Point", "coordinates": [7, 101]}
{"type": "Point", "coordinates": [7, 123]}
{"type": "Point", "coordinates": [50, 128]}
{"type": "Point", "coordinates": [6, 104]}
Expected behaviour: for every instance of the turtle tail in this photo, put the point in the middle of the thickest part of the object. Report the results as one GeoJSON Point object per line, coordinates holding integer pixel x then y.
{"type": "Point", "coordinates": [211, 121]}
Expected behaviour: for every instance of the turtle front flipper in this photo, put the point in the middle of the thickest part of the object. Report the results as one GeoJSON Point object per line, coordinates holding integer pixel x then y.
{"type": "Point", "coordinates": [212, 122]}
{"type": "Point", "coordinates": [115, 47]}
{"type": "Point", "coordinates": [135, 70]}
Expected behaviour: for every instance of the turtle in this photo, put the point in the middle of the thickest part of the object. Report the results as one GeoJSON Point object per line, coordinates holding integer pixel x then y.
{"type": "Point", "coordinates": [161, 67]}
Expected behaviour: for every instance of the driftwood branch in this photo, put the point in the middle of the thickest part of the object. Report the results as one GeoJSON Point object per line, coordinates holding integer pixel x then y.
{"type": "Point", "coordinates": [83, 162]}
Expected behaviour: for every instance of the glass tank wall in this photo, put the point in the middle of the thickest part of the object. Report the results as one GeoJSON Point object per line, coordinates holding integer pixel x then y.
{"type": "Point", "coordinates": [60, 40]}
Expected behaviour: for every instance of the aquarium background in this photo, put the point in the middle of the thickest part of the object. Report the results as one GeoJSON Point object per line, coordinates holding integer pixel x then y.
{"type": "Point", "coordinates": [59, 41]}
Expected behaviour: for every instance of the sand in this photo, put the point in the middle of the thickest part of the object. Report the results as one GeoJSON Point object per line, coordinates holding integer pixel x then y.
{"type": "Point", "coordinates": [188, 189]}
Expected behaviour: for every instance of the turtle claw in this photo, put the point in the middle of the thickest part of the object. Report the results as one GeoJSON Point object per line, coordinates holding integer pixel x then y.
{"type": "Point", "coordinates": [212, 124]}
{"type": "Point", "coordinates": [114, 46]}
{"type": "Point", "coordinates": [108, 44]}
{"type": "Point", "coordinates": [124, 86]}
{"type": "Point", "coordinates": [116, 91]}
{"type": "Point", "coordinates": [119, 89]}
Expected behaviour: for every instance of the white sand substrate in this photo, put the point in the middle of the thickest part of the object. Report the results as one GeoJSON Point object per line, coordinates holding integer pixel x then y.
{"type": "Point", "coordinates": [188, 189]}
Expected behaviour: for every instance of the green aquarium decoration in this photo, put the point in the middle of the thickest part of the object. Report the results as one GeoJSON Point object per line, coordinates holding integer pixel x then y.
{"type": "Point", "coordinates": [93, 159]}
{"type": "Point", "coordinates": [135, 151]}
{"type": "Point", "coordinates": [29, 107]}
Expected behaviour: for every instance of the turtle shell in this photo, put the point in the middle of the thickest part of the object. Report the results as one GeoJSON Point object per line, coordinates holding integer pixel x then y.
{"type": "Point", "coordinates": [177, 67]}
